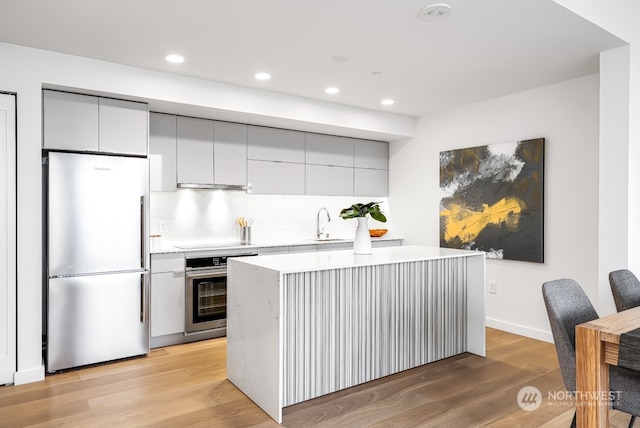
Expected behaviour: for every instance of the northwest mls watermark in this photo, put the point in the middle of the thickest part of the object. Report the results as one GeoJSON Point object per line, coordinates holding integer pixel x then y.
{"type": "Point", "coordinates": [530, 398]}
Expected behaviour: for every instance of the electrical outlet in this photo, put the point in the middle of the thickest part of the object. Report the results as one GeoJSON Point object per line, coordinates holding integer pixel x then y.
{"type": "Point", "coordinates": [493, 287]}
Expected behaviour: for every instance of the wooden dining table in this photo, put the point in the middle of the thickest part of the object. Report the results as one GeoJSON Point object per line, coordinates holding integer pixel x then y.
{"type": "Point", "coordinates": [597, 347]}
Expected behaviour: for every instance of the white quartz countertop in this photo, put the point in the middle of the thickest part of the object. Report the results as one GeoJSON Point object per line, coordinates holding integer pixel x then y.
{"type": "Point", "coordinates": [310, 241]}
{"type": "Point", "coordinates": [195, 245]}
{"type": "Point", "coordinates": [325, 260]}
{"type": "Point", "coordinates": [189, 248]}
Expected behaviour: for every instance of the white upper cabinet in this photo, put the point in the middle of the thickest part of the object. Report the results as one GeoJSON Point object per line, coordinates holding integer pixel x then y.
{"type": "Point", "coordinates": [371, 182]}
{"type": "Point", "coordinates": [272, 161]}
{"type": "Point", "coordinates": [70, 121]}
{"type": "Point", "coordinates": [329, 165]}
{"type": "Point", "coordinates": [272, 144]}
{"type": "Point", "coordinates": [87, 123]}
{"type": "Point", "coordinates": [162, 152]}
{"type": "Point", "coordinates": [371, 154]}
{"type": "Point", "coordinates": [230, 153]}
{"type": "Point", "coordinates": [371, 172]}
{"type": "Point", "coordinates": [195, 150]}
{"type": "Point", "coordinates": [329, 180]}
{"type": "Point", "coordinates": [276, 178]}
{"type": "Point", "coordinates": [123, 126]}
{"type": "Point", "coordinates": [329, 150]}
{"type": "Point", "coordinates": [276, 161]}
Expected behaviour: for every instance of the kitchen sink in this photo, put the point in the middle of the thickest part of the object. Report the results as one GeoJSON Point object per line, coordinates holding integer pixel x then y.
{"type": "Point", "coordinates": [329, 240]}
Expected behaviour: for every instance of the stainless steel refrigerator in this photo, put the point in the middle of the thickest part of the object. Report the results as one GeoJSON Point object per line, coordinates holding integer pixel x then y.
{"type": "Point", "coordinates": [97, 258]}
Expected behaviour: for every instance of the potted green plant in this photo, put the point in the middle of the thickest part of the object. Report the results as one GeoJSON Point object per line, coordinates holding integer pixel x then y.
{"type": "Point", "coordinates": [361, 210]}
{"type": "Point", "coordinates": [362, 241]}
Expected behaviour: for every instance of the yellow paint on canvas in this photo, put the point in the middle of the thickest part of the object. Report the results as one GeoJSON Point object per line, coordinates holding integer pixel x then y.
{"type": "Point", "coordinates": [467, 225]}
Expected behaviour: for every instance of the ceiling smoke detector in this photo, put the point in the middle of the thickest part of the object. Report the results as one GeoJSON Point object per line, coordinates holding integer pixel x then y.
{"type": "Point", "coordinates": [340, 58]}
{"type": "Point", "coordinates": [434, 12]}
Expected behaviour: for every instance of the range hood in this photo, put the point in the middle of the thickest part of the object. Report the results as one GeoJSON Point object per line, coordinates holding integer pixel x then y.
{"type": "Point", "coordinates": [208, 186]}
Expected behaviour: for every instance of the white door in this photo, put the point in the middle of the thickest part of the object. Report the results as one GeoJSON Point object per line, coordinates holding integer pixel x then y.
{"type": "Point", "coordinates": [7, 238]}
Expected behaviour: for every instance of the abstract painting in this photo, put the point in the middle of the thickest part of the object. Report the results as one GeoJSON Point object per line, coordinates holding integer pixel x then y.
{"type": "Point", "coordinates": [492, 200]}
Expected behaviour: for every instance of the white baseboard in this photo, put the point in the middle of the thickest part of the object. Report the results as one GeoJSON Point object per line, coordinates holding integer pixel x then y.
{"type": "Point", "coordinates": [520, 330]}
{"type": "Point", "coordinates": [29, 376]}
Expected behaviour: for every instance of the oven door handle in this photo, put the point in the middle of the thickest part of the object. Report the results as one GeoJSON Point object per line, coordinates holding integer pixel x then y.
{"type": "Point", "coordinates": [206, 274]}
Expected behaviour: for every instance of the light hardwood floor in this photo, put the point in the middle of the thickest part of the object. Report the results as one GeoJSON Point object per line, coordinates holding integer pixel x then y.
{"type": "Point", "coordinates": [186, 386]}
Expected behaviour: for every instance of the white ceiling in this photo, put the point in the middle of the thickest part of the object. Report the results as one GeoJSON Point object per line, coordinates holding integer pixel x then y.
{"type": "Point", "coordinates": [483, 50]}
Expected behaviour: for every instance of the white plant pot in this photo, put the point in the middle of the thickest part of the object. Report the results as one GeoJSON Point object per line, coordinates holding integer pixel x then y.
{"type": "Point", "coordinates": [362, 242]}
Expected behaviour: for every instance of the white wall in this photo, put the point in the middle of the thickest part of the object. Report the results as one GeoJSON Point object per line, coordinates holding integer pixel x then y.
{"type": "Point", "coordinates": [25, 71]}
{"type": "Point", "coordinates": [622, 68]}
{"type": "Point", "coordinates": [566, 115]}
{"type": "Point", "coordinates": [614, 238]}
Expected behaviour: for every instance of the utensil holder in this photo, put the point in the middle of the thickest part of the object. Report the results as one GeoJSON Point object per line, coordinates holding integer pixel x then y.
{"type": "Point", "coordinates": [245, 235]}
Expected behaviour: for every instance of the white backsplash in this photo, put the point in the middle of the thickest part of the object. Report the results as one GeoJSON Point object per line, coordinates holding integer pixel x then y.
{"type": "Point", "coordinates": [188, 215]}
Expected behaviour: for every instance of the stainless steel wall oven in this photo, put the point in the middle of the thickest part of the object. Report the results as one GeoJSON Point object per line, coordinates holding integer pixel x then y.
{"type": "Point", "coordinates": [206, 289]}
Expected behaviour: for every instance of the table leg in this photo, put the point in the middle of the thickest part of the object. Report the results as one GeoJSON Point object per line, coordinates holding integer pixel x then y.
{"type": "Point", "coordinates": [592, 379]}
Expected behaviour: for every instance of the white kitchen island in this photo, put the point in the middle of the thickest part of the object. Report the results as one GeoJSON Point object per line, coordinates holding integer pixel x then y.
{"type": "Point", "coordinates": [303, 325]}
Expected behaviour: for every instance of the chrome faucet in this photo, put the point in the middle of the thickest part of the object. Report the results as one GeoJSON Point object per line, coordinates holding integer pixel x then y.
{"type": "Point", "coordinates": [320, 232]}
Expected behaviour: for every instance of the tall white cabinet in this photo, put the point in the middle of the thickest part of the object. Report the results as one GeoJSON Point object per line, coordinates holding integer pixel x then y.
{"type": "Point", "coordinates": [7, 238]}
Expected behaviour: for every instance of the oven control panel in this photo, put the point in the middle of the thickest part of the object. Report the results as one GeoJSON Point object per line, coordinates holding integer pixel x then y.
{"type": "Point", "coordinates": [206, 262]}
{"type": "Point", "coordinates": [215, 262]}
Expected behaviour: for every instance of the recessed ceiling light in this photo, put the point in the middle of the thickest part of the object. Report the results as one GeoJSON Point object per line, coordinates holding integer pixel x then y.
{"type": "Point", "coordinates": [174, 58]}
{"type": "Point", "coordinates": [387, 102]}
{"type": "Point", "coordinates": [332, 90]}
{"type": "Point", "coordinates": [262, 76]}
{"type": "Point", "coordinates": [434, 12]}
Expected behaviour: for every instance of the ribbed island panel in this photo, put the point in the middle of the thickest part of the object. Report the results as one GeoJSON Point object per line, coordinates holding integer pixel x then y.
{"type": "Point", "coordinates": [344, 327]}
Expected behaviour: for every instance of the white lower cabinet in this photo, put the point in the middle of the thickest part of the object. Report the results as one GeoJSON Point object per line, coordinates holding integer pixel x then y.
{"type": "Point", "coordinates": [386, 243]}
{"type": "Point", "coordinates": [167, 294]}
{"type": "Point", "coordinates": [273, 250]}
{"type": "Point", "coordinates": [335, 246]}
{"type": "Point", "coordinates": [303, 248]}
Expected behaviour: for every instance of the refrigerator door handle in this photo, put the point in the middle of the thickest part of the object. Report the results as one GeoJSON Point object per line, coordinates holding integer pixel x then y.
{"type": "Point", "coordinates": [143, 295]}
{"type": "Point", "coordinates": [143, 232]}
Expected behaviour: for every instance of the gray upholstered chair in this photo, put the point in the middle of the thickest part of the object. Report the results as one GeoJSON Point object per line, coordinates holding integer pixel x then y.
{"type": "Point", "coordinates": [567, 306]}
{"type": "Point", "coordinates": [625, 287]}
